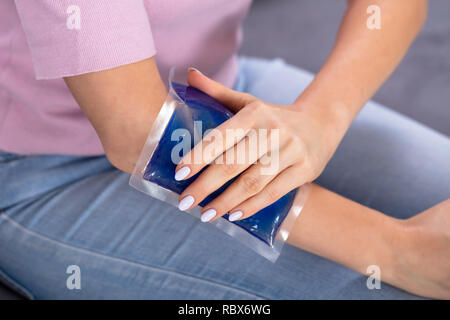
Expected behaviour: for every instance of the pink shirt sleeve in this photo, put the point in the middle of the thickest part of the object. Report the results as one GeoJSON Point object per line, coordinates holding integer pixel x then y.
{"type": "Point", "coordinates": [71, 37]}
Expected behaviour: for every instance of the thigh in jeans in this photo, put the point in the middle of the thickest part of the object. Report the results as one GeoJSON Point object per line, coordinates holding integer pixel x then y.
{"type": "Point", "coordinates": [128, 245]}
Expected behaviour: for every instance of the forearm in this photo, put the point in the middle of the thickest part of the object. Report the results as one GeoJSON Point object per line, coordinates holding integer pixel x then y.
{"type": "Point", "coordinates": [361, 60]}
{"type": "Point", "coordinates": [121, 104]}
{"type": "Point", "coordinates": [346, 232]}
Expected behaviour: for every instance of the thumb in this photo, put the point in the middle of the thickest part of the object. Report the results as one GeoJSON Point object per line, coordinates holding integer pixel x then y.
{"type": "Point", "coordinates": [234, 100]}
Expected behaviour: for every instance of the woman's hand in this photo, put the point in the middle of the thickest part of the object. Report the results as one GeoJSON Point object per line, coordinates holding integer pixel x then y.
{"type": "Point", "coordinates": [276, 148]}
{"type": "Point", "coordinates": [423, 264]}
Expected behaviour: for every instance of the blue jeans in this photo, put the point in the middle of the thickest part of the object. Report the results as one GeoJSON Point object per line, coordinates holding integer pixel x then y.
{"type": "Point", "coordinates": [58, 211]}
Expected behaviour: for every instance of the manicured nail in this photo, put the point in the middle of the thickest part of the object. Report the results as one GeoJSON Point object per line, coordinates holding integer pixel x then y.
{"type": "Point", "coordinates": [208, 215]}
{"type": "Point", "coordinates": [186, 202]}
{"type": "Point", "coordinates": [182, 173]}
{"type": "Point", "coordinates": [194, 69]}
{"type": "Point", "coordinates": [235, 216]}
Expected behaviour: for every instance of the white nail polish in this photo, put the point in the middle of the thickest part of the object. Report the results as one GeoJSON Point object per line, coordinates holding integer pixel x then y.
{"type": "Point", "coordinates": [194, 69]}
{"type": "Point", "coordinates": [182, 173]}
{"type": "Point", "coordinates": [235, 216]}
{"type": "Point", "coordinates": [208, 215]}
{"type": "Point", "coordinates": [185, 203]}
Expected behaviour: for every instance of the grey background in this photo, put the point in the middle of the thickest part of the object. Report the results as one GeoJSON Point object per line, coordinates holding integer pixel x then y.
{"type": "Point", "coordinates": [302, 32]}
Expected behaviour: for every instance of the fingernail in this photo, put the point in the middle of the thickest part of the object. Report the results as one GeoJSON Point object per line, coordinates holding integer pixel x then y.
{"type": "Point", "coordinates": [235, 216]}
{"type": "Point", "coordinates": [186, 202]}
{"type": "Point", "coordinates": [182, 173]}
{"type": "Point", "coordinates": [208, 215]}
{"type": "Point", "coordinates": [194, 69]}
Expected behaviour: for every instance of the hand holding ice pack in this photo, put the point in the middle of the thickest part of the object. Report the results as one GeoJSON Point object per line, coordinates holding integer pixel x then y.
{"type": "Point", "coordinates": [186, 108]}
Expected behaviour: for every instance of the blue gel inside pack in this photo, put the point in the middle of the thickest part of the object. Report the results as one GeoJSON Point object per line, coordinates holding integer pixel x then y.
{"type": "Point", "coordinates": [161, 169]}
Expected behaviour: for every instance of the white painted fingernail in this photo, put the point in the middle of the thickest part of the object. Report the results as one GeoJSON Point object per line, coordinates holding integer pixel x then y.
{"type": "Point", "coordinates": [208, 215]}
{"type": "Point", "coordinates": [186, 202]}
{"type": "Point", "coordinates": [194, 69]}
{"type": "Point", "coordinates": [182, 173]}
{"type": "Point", "coordinates": [235, 216]}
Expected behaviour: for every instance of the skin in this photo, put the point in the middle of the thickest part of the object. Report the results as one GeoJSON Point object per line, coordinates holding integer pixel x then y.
{"type": "Point", "coordinates": [122, 103]}
{"type": "Point", "coordinates": [312, 127]}
{"type": "Point", "coordinates": [413, 254]}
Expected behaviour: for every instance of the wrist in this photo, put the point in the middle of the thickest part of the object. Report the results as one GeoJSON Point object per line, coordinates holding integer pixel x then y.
{"type": "Point", "coordinates": [332, 118]}
{"type": "Point", "coordinates": [395, 241]}
{"type": "Point", "coordinates": [123, 143]}
{"type": "Point", "coordinates": [325, 100]}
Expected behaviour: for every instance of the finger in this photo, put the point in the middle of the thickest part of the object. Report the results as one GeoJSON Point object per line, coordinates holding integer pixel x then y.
{"type": "Point", "coordinates": [273, 191]}
{"type": "Point", "coordinates": [214, 144]}
{"type": "Point", "coordinates": [247, 185]}
{"type": "Point", "coordinates": [236, 160]}
{"type": "Point", "coordinates": [234, 100]}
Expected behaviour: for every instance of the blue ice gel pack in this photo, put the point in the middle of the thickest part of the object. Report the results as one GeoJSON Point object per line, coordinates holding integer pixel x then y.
{"type": "Point", "coordinates": [161, 169]}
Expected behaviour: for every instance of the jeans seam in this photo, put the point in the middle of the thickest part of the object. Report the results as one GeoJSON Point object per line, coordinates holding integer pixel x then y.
{"type": "Point", "coordinates": [122, 260]}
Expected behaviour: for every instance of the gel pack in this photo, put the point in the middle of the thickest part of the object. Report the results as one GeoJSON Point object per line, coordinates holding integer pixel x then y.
{"type": "Point", "coordinates": [185, 108]}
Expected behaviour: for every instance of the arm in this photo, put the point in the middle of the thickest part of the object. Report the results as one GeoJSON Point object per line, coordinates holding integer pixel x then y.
{"type": "Point", "coordinates": [121, 104]}
{"type": "Point", "coordinates": [346, 232]}
{"type": "Point", "coordinates": [412, 254]}
{"type": "Point", "coordinates": [311, 128]}
{"type": "Point", "coordinates": [360, 62]}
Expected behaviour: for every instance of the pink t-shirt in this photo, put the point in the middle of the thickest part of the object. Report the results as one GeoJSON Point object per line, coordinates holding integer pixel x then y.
{"type": "Point", "coordinates": [42, 41]}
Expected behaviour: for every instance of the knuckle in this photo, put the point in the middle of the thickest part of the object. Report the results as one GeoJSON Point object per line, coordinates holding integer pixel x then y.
{"type": "Point", "coordinates": [277, 120]}
{"type": "Point", "coordinates": [307, 165]}
{"type": "Point", "coordinates": [199, 190]}
{"type": "Point", "coordinates": [279, 124]}
{"type": "Point", "coordinates": [298, 148]}
{"type": "Point", "coordinates": [255, 107]}
{"type": "Point", "coordinates": [251, 184]}
{"type": "Point", "coordinates": [306, 169]}
{"type": "Point", "coordinates": [247, 97]}
{"type": "Point", "coordinates": [295, 141]}
{"type": "Point", "coordinates": [311, 167]}
{"type": "Point", "coordinates": [230, 169]}
{"type": "Point", "coordinates": [271, 194]}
